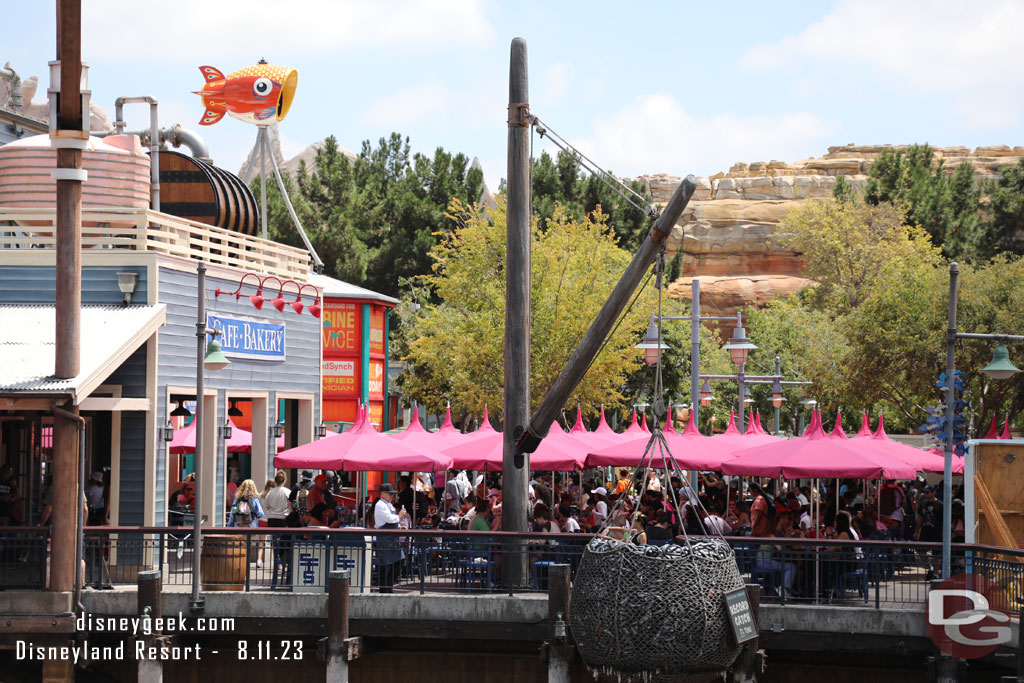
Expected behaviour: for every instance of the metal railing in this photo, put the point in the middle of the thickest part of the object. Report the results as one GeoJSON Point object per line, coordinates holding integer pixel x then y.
{"type": "Point", "coordinates": [23, 556]}
{"type": "Point", "coordinates": [879, 574]}
{"type": "Point", "coordinates": [129, 229]}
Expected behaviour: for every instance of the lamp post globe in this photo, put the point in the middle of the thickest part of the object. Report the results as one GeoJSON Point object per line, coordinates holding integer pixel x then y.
{"type": "Point", "coordinates": [652, 348]}
{"type": "Point", "coordinates": [739, 346]}
{"type": "Point", "coordinates": [1000, 367]}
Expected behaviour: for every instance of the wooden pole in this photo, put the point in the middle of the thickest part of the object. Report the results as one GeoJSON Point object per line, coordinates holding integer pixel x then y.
{"type": "Point", "coordinates": [68, 296]}
{"type": "Point", "coordinates": [150, 604]}
{"type": "Point", "coordinates": [337, 626]}
{"type": "Point", "coordinates": [558, 611]}
{"type": "Point", "coordinates": [516, 470]}
{"type": "Point", "coordinates": [594, 337]}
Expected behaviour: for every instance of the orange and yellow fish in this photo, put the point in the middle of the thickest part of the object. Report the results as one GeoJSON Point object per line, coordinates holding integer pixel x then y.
{"type": "Point", "coordinates": [260, 95]}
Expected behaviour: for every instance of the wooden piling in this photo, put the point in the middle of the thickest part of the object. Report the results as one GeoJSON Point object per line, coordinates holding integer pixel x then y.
{"type": "Point", "coordinates": [337, 626]}
{"type": "Point", "coordinates": [559, 641]}
{"type": "Point", "coordinates": [150, 605]}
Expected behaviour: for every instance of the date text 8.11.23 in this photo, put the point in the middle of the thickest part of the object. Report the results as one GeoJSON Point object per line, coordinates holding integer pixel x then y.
{"type": "Point", "coordinates": [268, 649]}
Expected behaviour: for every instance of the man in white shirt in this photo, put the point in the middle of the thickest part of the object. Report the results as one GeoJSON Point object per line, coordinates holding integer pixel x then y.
{"type": "Point", "coordinates": [277, 505]}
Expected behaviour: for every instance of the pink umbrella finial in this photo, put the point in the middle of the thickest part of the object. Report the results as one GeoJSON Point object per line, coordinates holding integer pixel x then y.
{"type": "Point", "coordinates": [865, 425]}
{"type": "Point", "coordinates": [880, 430]}
{"type": "Point", "coordinates": [643, 423]}
{"type": "Point", "coordinates": [1006, 430]}
{"type": "Point", "coordinates": [760, 429]}
{"type": "Point", "coordinates": [837, 430]}
{"type": "Point", "coordinates": [448, 417]}
{"type": "Point", "coordinates": [579, 426]}
{"type": "Point", "coordinates": [602, 425]}
{"type": "Point", "coordinates": [732, 428]}
{"type": "Point", "coordinates": [691, 427]}
{"type": "Point", "coordinates": [669, 427]}
{"type": "Point", "coordinates": [993, 430]}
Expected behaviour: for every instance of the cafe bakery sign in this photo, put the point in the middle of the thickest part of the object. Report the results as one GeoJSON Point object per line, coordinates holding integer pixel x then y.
{"type": "Point", "coordinates": [249, 338]}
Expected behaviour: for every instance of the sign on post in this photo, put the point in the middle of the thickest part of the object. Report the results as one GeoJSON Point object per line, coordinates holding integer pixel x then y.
{"type": "Point", "coordinates": [740, 616]}
{"type": "Point", "coordinates": [249, 338]}
{"type": "Point", "coordinates": [313, 561]}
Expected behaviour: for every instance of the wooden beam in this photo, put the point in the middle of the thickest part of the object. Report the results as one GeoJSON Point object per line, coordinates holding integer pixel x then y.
{"type": "Point", "coordinates": [43, 404]}
{"type": "Point", "coordinates": [111, 404]}
{"type": "Point", "coordinates": [988, 507]}
{"type": "Point", "coordinates": [36, 623]}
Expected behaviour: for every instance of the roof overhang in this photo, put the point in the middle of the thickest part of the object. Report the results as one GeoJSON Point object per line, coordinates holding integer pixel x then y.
{"type": "Point", "coordinates": [109, 335]}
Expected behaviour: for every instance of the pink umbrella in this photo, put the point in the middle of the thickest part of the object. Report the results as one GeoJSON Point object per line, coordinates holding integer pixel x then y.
{"type": "Point", "coordinates": [1006, 430]}
{"type": "Point", "coordinates": [634, 428]}
{"type": "Point", "coordinates": [558, 451]}
{"type": "Point", "coordinates": [691, 450]}
{"type": "Point", "coordinates": [732, 437]}
{"type": "Point", "coordinates": [880, 442]}
{"type": "Point", "coordinates": [591, 440]}
{"type": "Point", "coordinates": [604, 430]}
{"type": "Point", "coordinates": [240, 441]}
{"type": "Point", "coordinates": [362, 443]}
{"type": "Point", "coordinates": [816, 454]}
{"type": "Point", "coordinates": [756, 436]}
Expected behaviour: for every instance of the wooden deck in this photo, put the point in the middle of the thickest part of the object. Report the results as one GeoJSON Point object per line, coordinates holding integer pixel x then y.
{"type": "Point", "coordinates": [151, 231]}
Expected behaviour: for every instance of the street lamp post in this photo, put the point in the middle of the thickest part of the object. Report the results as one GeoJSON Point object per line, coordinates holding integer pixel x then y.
{"type": "Point", "coordinates": [999, 368]}
{"type": "Point", "coordinates": [695, 319]}
{"type": "Point", "coordinates": [207, 355]}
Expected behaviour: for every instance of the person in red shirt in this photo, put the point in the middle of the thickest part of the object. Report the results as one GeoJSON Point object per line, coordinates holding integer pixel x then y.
{"type": "Point", "coordinates": [319, 494]}
{"type": "Point", "coordinates": [759, 521]}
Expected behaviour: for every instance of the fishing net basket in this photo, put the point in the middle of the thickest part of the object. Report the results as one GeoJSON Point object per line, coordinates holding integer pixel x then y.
{"type": "Point", "coordinates": [655, 613]}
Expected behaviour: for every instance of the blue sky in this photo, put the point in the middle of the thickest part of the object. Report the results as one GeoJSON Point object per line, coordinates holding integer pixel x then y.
{"type": "Point", "coordinates": [654, 87]}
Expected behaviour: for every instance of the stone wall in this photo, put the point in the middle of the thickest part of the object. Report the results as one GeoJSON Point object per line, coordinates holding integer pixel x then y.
{"type": "Point", "coordinates": [729, 232]}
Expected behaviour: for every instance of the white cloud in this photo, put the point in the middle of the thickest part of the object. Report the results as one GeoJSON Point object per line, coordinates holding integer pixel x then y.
{"type": "Point", "coordinates": [409, 105]}
{"type": "Point", "coordinates": [655, 134]}
{"type": "Point", "coordinates": [187, 30]}
{"type": "Point", "coordinates": [955, 50]}
{"type": "Point", "coordinates": [555, 82]}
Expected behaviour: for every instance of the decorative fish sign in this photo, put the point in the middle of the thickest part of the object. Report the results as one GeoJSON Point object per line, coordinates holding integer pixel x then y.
{"type": "Point", "coordinates": [260, 94]}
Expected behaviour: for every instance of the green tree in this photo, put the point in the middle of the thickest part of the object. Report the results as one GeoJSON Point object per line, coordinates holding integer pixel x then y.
{"type": "Point", "coordinates": [458, 341]}
{"type": "Point", "coordinates": [1005, 225]}
{"type": "Point", "coordinates": [560, 183]}
{"type": "Point", "coordinates": [375, 219]}
{"type": "Point", "coordinates": [846, 244]}
{"type": "Point", "coordinates": [946, 206]}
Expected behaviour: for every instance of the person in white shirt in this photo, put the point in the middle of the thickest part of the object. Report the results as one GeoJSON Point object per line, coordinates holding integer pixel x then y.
{"type": "Point", "coordinates": [566, 522]}
{"type": "Point", "coordinates": [277, 505]}
{"type": "Point", "coordinates": [389, 552]}
{"type": "Point", "coordinates": [598, 505]}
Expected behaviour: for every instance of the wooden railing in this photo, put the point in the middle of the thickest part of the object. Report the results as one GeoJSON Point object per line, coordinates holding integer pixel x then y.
{"type": "Point", "coordinates": [144, 230]}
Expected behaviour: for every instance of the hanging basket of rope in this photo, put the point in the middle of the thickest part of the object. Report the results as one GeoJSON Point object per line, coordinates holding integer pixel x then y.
{"type": "Point", "coordinates": [655, 612]}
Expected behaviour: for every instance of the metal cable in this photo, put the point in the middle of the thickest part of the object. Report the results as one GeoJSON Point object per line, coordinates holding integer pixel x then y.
{"type": "Point", "coordinates": [584, 161]}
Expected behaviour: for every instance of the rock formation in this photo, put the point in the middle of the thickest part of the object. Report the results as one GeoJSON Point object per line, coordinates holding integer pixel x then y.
{"type": "Point", "coordinates": [98, 120]}
{"type": "Point", "coordinates": [289, 167]}
{"type": "Point", "coordinates": [729, 233]}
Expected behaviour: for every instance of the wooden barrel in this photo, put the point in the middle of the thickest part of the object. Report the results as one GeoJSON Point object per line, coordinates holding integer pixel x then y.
{"type": "Point", "coordinates": [224, 563]}
{"type": "Point", "coordinates": [194, 189]}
